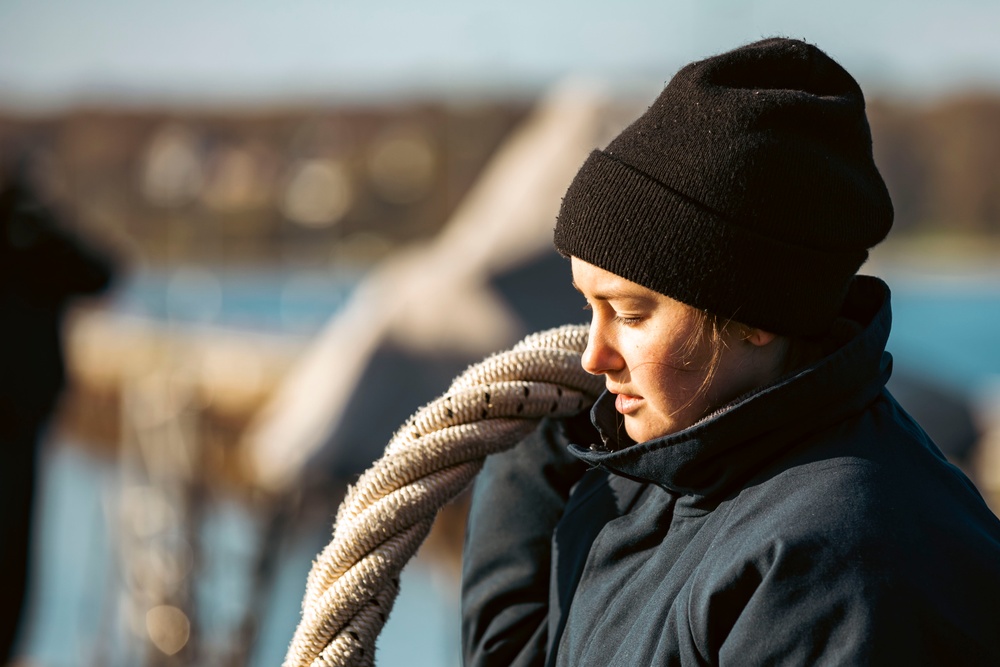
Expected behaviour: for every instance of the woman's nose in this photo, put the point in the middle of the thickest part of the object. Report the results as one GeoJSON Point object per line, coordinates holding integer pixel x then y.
{"type": "Point", "coordinates": [599, 357]}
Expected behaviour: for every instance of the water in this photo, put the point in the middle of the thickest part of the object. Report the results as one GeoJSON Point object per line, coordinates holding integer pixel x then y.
{"type": "Point", "coordinates": [74, 602]}
{"type": "Point", "coordinates": [286, 301]}
{"type": "Point", "coordinates": [949, 330]}
{"type": "Point", "coordinates": [944, 329]}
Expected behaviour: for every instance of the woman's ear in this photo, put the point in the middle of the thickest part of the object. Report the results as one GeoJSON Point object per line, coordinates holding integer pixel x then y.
{"type": "Point", "coordinates": [759, 337]}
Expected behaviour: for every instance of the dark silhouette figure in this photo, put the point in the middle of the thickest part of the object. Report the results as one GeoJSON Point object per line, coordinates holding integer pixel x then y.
{"type": "Point", "coordinates": [42, 267]}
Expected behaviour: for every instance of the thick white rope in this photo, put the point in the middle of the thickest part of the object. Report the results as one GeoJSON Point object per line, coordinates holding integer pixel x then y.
{"type": "Point", "coordinates": [438, 451]}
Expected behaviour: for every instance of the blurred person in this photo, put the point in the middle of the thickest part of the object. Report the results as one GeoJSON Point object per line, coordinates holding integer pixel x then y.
{"type": "Point", "coordinates": [745, 491]}
{"type": "Point", "coordinates": [42, 267]}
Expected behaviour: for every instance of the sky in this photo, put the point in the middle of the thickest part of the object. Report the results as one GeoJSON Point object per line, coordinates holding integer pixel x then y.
{"type": "Point", "coordinates": [61, 52]}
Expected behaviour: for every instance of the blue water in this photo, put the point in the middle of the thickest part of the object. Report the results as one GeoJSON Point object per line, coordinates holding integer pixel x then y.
{"type": "Point", "coordinates": [949, 331]}
{"type": "Point", "coordinates": [281, 300]}
{"type": "Point", "coordinates": [75, 620]}
{"type": "Point", "coordinates": [946, 330]}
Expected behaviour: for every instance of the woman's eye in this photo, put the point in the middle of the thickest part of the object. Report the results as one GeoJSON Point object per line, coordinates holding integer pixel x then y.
{"type": "Point", "coordinates": [627, 320]}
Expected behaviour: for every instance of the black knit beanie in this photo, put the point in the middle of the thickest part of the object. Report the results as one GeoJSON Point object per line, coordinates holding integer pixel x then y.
{"type": "Point", "coordinates": [747, 190]}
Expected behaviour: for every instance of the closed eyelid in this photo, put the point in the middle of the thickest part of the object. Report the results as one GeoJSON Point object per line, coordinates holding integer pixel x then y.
{"type": "Point", "coordinates": [630, 306]}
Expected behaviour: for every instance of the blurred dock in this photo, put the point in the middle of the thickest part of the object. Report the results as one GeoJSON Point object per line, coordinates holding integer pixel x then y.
{"type": "Point", "coordinates": [220, 376]}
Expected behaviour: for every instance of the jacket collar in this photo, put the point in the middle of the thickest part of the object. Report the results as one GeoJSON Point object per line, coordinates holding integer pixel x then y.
{"type": "Point", "coordinates": [716, 456]}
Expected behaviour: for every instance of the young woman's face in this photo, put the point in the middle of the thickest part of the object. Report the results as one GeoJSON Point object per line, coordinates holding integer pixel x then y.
{"type": "Point", "coordinates": [640, 340]}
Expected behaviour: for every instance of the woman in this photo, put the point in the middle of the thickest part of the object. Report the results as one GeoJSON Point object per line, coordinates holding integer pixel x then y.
{"type": "Point", "coordinates": [745, 492]}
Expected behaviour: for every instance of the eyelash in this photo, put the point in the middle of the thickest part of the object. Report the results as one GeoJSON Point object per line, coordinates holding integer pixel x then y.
{"type": "Point", "coordinates": [627, 321]}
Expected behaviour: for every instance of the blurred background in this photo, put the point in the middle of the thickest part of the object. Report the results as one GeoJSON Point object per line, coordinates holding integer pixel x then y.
{"type": "Point", "coordinates": [243, 241]}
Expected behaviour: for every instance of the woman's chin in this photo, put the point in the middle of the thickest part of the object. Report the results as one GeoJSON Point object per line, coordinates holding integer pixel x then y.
{"type": "Point", "coordinates": [641, 431]}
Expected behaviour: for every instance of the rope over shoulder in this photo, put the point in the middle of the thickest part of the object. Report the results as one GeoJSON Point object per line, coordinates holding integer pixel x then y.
{"type": "Point", "coordinates": [385, 517]}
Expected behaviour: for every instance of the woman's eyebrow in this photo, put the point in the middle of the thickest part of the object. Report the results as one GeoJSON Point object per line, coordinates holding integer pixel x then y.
{"type": "Point", "coordinates": [613, 294]}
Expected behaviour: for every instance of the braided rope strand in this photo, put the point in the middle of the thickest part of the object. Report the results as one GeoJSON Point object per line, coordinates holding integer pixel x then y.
{"type": "Point", "coordinates": [437, 452]}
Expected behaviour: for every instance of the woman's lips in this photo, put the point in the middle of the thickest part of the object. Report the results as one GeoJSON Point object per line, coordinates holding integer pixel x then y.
{"type": "Point", "coordinates": [626, 403]}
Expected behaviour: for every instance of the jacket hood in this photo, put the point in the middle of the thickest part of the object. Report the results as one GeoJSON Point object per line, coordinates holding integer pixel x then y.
{"type": "Point", "coordinates": [718, 454]}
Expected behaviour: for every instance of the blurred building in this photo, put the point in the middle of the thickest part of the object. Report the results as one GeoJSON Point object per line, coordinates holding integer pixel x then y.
{"type": "Point", "coordinates": [275, 186]}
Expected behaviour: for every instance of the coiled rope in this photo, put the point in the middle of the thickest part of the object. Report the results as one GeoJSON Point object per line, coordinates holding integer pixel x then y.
{"type": "Point", "coordinates": [438, 451]}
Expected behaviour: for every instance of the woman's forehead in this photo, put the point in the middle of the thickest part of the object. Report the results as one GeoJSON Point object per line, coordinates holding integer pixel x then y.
{"type": "Point", "coordinates": [598, 283]}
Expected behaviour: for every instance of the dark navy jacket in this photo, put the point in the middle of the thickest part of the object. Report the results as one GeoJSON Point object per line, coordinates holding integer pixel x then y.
{"type": "Point", "coordinates": [811, 522]}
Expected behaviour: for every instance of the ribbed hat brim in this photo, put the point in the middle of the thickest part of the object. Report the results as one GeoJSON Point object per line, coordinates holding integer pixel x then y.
{"type": "Point", "coordinates": [622, 220]}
